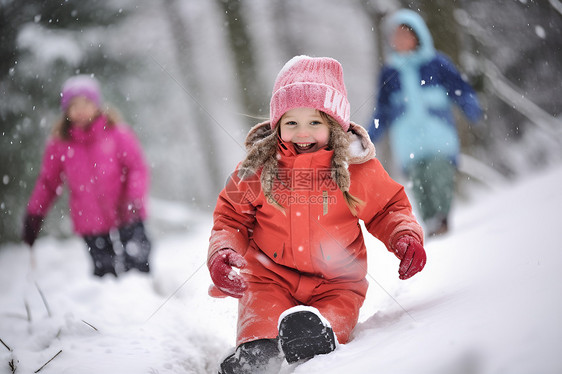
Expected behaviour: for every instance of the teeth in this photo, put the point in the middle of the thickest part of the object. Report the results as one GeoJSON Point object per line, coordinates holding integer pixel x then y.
{"type": "Point", "coordinates": [304, 145]}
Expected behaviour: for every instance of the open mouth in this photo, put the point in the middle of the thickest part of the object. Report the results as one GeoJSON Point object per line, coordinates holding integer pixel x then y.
{"type": "Point", "coordinates": [303, 147]}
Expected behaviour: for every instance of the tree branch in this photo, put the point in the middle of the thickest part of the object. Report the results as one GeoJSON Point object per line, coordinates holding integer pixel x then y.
{"type": "Point", "coordinates": [45, 364]}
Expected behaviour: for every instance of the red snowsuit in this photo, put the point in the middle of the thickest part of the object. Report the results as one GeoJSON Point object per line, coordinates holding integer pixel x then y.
{"type": "Point", "coordinates": [313, 253]}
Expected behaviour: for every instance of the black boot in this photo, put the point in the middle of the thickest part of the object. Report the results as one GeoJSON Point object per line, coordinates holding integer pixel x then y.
{"type": "Point", "coordinates": [256, 357]}
{"type": "Point", "coordinates": [303, 335]}
{"type": "Point", "coordinates": [101, 249]}
{"type": "Point", "coordinates": [136, 247]}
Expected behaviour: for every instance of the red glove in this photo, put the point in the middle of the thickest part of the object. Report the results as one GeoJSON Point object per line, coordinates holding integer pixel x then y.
{"type": "Point", "coordinates": [224, 276]}
{"type": "Point", "coordinates": [412, 255]}
{"type": "Point", "coordinates": [31, 227]}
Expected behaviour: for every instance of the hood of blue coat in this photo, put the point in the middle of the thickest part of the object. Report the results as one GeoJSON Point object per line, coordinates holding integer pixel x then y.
{"type": "Point", "coordinates": [426, 49]}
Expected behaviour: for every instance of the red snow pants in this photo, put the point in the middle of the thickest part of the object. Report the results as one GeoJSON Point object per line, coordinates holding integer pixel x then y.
{"type": "Point", "coordinates": [274, 288]}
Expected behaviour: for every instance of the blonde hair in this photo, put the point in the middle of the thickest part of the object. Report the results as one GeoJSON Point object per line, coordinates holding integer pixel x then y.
{"type": "Point", "coordinates": [61, 128]}
{"type": "Point", "coordinates": [262, 152]}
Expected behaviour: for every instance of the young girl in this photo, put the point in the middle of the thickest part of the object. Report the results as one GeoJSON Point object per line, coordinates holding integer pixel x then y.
{"type": "Point", "coordinates": [417, 89]}
{"type": "Point", "coordinates": [102, 164]}
{"type": "Point", "coordinates": [289, 219]}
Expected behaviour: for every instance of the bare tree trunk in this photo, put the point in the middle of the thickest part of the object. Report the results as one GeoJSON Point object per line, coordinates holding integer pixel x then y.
{"type": "Point", "coordinates": [251, 87]}
{"type": "Point", "coordinates": [287, 39]}
{"type": "Point", "coordinates": [440, 19]}
{"type": "Point", "coordinates": [376, 13]}
{"type": "Point", "coordinates": [208, 179]}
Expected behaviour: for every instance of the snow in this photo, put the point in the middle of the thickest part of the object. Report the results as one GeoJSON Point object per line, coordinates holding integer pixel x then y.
{"type": "Point", "coordinates": [49, 46]}
{"type": "Point", "coordinates": [292, 62]}
{"type": "Point", "coordinates": [488, 301]}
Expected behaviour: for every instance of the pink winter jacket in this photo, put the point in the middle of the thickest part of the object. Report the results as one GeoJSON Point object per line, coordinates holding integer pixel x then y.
{"type": "Point", "coordinates": [105, 172]}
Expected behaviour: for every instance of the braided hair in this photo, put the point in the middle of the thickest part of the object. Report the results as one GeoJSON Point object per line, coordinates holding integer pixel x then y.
{"type": "Point", "coordinates": [261, 146]}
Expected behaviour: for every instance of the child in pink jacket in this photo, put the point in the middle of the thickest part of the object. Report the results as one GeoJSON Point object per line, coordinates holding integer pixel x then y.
{"type": "Point", "coordinates": [102, 164]}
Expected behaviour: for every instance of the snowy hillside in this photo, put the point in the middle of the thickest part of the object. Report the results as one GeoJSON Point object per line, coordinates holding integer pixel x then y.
{"type": "Point", "coordinates": [488, 301]}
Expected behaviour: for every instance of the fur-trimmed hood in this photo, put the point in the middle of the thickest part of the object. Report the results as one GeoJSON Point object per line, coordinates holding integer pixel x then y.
{"type": "Point", "coordinates": [360, 150]}
{"type": "Point", "coordinates": [265, 149]}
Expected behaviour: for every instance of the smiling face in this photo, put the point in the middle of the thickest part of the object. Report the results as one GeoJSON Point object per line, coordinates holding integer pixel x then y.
{"type": "Point", "coordinates": [305, 129]}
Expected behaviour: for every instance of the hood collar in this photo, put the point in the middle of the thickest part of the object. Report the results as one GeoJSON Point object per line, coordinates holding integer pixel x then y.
{"type": "Point", "coordinates": [360, 150]}
{"type": "Point", "coordinates": [426, 49]}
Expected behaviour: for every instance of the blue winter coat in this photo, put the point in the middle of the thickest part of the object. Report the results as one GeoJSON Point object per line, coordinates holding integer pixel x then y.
{"type": "Point", "coordinates": [416, 93]}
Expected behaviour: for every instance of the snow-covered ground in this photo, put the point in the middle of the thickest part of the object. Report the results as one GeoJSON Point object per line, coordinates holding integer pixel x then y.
{"type": "Point", "coordinates": [488, 301]}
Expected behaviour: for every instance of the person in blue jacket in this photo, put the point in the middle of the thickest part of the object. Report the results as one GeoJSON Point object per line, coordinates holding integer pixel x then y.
{"type": "Point", "coordinates": [417, 89]}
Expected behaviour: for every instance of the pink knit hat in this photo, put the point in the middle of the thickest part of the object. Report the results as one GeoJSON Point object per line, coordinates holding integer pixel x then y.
{"type": "Point", "coordinates": [313, 82]}
{"type": "Point", "coordinates": [80, 85]}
